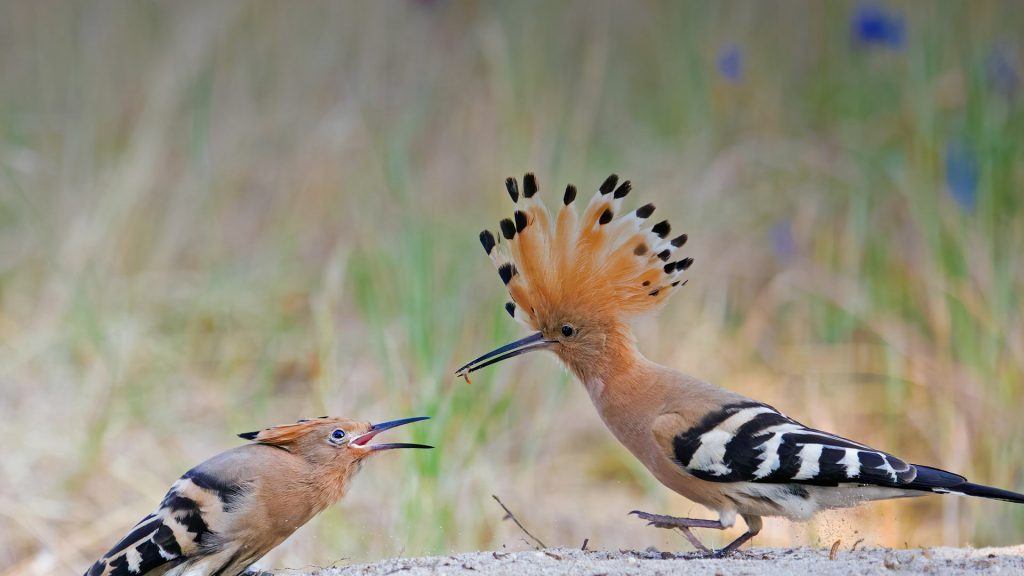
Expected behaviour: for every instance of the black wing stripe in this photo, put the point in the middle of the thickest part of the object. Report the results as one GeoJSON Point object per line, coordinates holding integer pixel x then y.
{"type": "Point", "coordinates": [229, 494]}
{"type": "Point", "coordinates": [186, 511]}
{"type": "Point", "coordinates": [138, 533]}
{"type": "Point", "coordinates": [164, 538]}
{"type": "Point", "coordinates": [149, 554]}
{"type": "Point", "coordinates": [831, 464]}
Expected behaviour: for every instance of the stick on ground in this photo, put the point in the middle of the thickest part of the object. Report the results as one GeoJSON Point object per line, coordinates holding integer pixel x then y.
{"type": "Point", "coordinates": [509, 514]}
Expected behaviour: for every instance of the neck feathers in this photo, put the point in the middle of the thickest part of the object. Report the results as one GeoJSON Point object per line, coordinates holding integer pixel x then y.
{"type": "Point", "coordinates": [328, 483]}
{"type": "Point", "coordinates": [619, 355]}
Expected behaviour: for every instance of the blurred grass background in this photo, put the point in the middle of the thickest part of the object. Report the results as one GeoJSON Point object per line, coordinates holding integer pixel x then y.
{"type": "Point", "coordinates": [220, 216]}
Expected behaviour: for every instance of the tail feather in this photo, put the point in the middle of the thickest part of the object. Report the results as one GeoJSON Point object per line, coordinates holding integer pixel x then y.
{"type": "Point", "coordinates": [982, 491]}
{"type": "Point", "coordinates": [930, 479]}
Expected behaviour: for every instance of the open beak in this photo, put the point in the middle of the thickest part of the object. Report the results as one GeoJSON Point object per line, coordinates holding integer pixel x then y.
{"type": "Point", "coordinates": [528, 344]}
{"type": "Point", "coordinates": [361, 440]}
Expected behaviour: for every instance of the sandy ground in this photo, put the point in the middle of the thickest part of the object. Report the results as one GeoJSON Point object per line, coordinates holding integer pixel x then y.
{"type": "Point", "coordinates": [768, 561]}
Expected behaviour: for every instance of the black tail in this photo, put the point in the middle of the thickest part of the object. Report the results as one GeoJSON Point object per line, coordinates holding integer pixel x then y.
{"type": "Point", "coordinates": [941, 482]}
{"type": "Point", "coordinates": [971, 489]}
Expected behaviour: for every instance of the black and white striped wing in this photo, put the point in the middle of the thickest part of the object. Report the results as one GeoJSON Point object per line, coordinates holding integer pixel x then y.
{"type": "Point", "coordinates": [753, 442]}
{"type": "Point", "coordinates": [149, 545]}
{"type": "Point", "coordinates": [185, 524]}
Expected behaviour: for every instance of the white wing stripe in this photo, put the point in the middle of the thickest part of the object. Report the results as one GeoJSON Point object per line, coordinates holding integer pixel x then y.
{"type": "Point", "coordinates": [769, 455]}
{"type": "Point", "coordinates": [852, 462]}
{"type": "Point", "coordinates": [809, 456]}
{"type": "Point", "coordinates": [888, 469]}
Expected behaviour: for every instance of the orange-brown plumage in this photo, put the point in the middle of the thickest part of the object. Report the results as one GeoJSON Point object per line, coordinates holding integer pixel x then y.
{"type": "Point", "coordinates": [227, 512]}
{"type": "Point", "coordinates": [579, 280]}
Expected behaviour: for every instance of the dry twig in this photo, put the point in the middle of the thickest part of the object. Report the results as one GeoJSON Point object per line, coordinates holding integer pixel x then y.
{"type": "Point", "coordinates": [510, 515]}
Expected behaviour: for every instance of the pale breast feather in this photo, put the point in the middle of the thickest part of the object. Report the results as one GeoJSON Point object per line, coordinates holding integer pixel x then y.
{"type": "Point", "coordinates": [753, 442]}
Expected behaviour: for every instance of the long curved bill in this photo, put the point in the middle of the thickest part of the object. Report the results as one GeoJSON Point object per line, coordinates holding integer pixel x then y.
{"type": "Point", "coordinates": [522, 346]}
{"type": "Point", "coordinates": [375, 429]}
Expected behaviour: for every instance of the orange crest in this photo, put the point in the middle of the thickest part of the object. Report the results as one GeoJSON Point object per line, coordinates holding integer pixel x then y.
{"type": "Point", "coordinates": [605, 261]}
{"type": "Point", "coordinates": [285, 434]}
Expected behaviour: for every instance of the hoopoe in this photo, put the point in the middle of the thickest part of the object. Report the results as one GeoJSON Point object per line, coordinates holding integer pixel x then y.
{"type": "Point", "coordinates": [229, 511]}
{"type": "Point", "coordinates": [577, 280]}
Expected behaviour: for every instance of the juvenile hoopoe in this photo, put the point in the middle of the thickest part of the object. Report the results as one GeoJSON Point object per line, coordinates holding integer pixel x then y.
{"type": "Point", "coordinates": [229, 511]}
{"type": "Point", "coordinates": [577, 281]}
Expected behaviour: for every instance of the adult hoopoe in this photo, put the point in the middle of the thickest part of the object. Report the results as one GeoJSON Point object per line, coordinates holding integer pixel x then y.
{"type": "Point", "coordinates": [578, 279]}
{"type": "Point", "coordinates": [229, 511]}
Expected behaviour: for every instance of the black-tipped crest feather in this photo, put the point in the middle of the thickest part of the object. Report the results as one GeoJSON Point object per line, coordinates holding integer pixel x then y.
{"type": "Point", "coordinates": [507, 271]}
{"type": "Point", "coordinates": [645, 211]}
{"type": "Point", "coordinates": [508, 229]}
{"type": "Point", "coordinates": [609, 184]}
{"type": "Point", "coordinates": [623, 189]}
{"type": "Point", "coordinates": [521, 220]}
{"type": "Point", "coordinates": [487, 241]}
{"type": "Point", "coordinates": [570, 195]}
{"type": "Point", "coordinates": [662, 228]}
{"type": "Point", "coordinates": [529, 185]}
{"type": "Point", "coordinates": [513, 189]}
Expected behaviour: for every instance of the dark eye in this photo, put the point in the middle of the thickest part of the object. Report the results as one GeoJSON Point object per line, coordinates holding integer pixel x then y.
{"type": "Point", "coordinates": [338, 434]}
{"type": "Point", "coordinates": [567, 330]}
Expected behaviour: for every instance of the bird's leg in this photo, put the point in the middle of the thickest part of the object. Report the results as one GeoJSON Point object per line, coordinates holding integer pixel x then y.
{"type": "Point", "coordinates": [753, 527]}
{"type": "Point", "coordinates": [683, 525]}
{"type": "Point", "coordinates": [733, 545]}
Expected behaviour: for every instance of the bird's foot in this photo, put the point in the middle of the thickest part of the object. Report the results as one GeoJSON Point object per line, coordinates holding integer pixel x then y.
{"type": "Point", "coordinates": [683, 525]}
{"type": "Point", "coordinates": [663, 521]}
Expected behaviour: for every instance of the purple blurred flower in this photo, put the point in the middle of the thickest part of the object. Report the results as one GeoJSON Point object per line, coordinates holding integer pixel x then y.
{"type": "Point", "coordinates": [962, 174]}
{"type": "Point", "coordinates": [874, 25]}
{"type": "Point", "coordinates": [730, 63]}
{"type": "Point", "coordinates": [782, 240]}
{"type": "Point", "coordinates": [1001, 72]}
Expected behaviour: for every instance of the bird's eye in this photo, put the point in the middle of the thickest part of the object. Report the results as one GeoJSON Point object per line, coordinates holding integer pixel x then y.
{"type": "Point", "coordinates": [338, 434]}
{"type": "Point", "coordinates": [568, 330]}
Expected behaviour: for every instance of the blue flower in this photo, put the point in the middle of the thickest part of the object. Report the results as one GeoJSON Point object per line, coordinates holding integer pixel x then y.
{"type": "Point", "coordinates": [962, 174]}
{"type": "Point", "coordinates": [1001, 72]}
{"type": "Point", "coordinates": [730, 63]}
{"type": "Point", "coordinates": [874, 25]}
{"type": "Point", "coordinates": [782, 240]}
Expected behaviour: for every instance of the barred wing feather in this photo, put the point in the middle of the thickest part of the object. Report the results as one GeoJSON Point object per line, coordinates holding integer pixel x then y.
{"type": "Point", "coordinates": [753, 442]}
